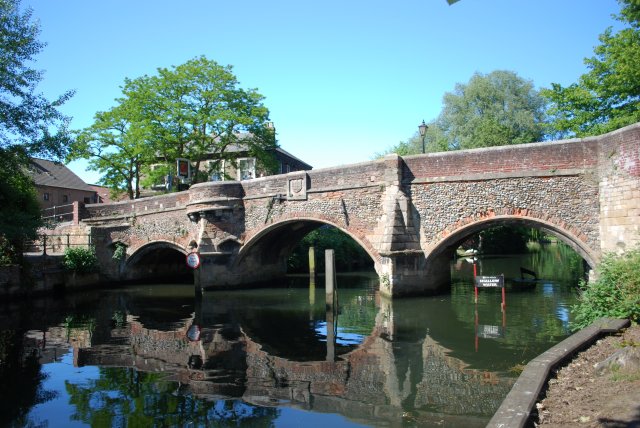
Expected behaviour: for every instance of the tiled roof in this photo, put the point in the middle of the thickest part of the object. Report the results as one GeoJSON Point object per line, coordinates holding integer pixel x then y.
{"type": "Point", "coordinates": [48, 173]}
{"type": "Point", "coordinates": [286, 153]}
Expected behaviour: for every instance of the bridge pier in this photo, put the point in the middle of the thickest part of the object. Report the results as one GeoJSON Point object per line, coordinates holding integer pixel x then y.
{"type": "Point", "coordinates": [405, 274]}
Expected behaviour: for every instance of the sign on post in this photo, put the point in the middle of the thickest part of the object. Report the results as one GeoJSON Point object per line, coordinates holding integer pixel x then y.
{"type": "Point", "coordinates": [490, 281]}
{"type": "Point", "coordinates": [193, 260]}
{"type": "Point", "coordinates": [490, 331]}
{"type": "Point", "coordinates": [183, 167]}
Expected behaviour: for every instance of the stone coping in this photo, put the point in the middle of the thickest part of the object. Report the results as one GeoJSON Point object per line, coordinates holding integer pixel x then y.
{"type": "Point", "coordinates": [516, 408]}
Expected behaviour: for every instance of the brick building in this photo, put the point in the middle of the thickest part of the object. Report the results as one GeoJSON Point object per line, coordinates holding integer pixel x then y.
{"type": "Point", "coordinates": [56, 185]}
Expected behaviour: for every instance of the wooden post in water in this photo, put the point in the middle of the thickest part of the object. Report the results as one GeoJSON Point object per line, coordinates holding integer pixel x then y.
{"type": "Point", "coordinates": [330, 276]}
{"type": "Point", "coordinates": [330, 296]}
{"type": "Point", "coordinates": [312, 262]}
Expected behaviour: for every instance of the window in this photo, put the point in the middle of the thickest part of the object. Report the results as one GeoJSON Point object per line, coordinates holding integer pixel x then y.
{"type": "Point", "coordinates": [87, 200]}
{"type": "Point", "coordinates": [246, 168]}
{"type": "Point", "coordinates": [45, 196]}
{"type": "Point", "coordinates": [65, 198]}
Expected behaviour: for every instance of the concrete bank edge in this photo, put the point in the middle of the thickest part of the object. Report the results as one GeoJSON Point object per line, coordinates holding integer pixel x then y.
{"type": "Point", "coordinates": [516, 408]}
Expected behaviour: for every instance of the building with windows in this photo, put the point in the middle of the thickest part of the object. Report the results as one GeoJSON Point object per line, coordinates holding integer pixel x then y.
{"type": "Point", "coordinates": [242, 167]}
{"type": "Point", "coordinates": [56, 185]}
{"type": "Point", "coordinates": [245, 167]}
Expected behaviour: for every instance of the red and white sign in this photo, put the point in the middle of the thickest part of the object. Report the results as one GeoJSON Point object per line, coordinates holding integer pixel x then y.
{"type": "Point", "coordinates": [193, 260]}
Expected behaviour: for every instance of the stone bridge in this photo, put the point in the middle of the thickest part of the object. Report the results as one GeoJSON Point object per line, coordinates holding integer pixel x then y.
{"type": "Point", "coordinates": [409, 213]}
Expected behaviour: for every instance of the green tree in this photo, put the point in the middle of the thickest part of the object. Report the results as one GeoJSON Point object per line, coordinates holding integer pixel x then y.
{"type": "Point", "coordinates": [19, 209]}
{"type": "Point", "coordinates": [199, 112]}
{"type": "Point", "coordinates": [496, 109]}
{"type": "Point", "coordinates": [607, 97]}
{"type": "Point", "coordinates": [196, 111]}
{"type": "Point", "coordinates": [118, 146]}
{"type": "Point", "coordinates": [30, 125]}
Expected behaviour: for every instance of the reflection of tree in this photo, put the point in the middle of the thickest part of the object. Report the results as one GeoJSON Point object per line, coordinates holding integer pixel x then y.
{"type": "Point", "coordinates": [126, 397]}
{"type": "Point", "coordinates": [21, 380]}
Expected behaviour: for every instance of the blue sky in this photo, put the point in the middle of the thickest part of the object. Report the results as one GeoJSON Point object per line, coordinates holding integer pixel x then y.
{"type": "Point", "coordinates": [342, 79]}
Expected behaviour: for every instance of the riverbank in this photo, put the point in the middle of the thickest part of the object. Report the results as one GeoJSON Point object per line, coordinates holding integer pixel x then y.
{"type": "Point", "coordinates": [580, 395]}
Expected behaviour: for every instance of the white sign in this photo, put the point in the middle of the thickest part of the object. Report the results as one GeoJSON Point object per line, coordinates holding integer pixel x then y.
{"type": "Point", "coordinates": [193, 260]}
{"type": "Point", "coordinates": [490, 281]}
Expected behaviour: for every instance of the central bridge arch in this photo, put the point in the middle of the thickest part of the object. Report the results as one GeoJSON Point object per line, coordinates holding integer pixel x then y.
{"type": "Point", "coordinates": [271, 245]}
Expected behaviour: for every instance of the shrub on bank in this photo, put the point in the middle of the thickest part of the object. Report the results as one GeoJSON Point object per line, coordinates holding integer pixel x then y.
{"type": "Point", "coordinates": [81, 260]}
{"type": "Point", "coordinates": [616, 292]}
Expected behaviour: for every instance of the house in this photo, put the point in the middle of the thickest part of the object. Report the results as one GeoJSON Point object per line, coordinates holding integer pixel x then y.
{"type": "Point", "coordinates": [245, 168]}
{"type": "Point", "coordinates": [242, 167]}
{"type": "Point", "coordinates": [57, 185]}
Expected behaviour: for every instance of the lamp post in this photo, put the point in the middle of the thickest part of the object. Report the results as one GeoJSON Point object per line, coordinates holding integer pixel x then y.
{"type": "Point", "coordinates": [423, 132]}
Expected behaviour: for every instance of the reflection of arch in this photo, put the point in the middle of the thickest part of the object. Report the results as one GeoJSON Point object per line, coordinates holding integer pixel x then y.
{"type": "Point", "coordinates": [291, 230]}
{"type": "Point", "coordinates": [150, 247]}
{"type": "Point", "coordinates": [454, 235]}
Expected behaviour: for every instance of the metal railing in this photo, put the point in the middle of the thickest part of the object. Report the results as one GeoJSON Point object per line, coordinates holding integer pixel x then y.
{"type": "Point", "coordinates": [57, 214]}
{"type": "Point", "coordinates": [57, 243]}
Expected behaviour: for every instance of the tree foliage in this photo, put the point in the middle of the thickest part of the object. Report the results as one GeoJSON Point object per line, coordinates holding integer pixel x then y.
{"type": "Point", "coordinates": [607, 97]}
{"type": "Point", "coordinates": [348, 253]}
{"type": "Point", "coordinates": [27, 119]}
{"type": "Point", "coordinates": [118, 147]}
{"type": "Point", "coordinates": [495, 109]}
{"type": "Point", "coordinates": [30, 125]}
{"type": "Point", "coordinates": [195, 110]}
{"type": "Point", "coordinates": [19, 208]}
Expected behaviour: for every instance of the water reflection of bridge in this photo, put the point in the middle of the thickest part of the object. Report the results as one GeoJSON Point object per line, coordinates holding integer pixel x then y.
{"type": "Point", "coordinates": [386, 378]}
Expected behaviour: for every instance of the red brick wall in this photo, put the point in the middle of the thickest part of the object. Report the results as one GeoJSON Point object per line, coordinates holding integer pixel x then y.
{"type": "Point", "coordinates": [539, 157]}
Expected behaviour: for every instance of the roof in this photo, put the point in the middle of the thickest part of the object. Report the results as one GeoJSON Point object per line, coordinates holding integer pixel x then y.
{"type": "Point", "coordinates": [53, 174]}
{"type": "Point", "coordinates": [284, 152]}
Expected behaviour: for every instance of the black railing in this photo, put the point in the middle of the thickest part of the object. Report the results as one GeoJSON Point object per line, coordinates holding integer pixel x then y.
{"type": "Point", "coordinates": [57, 244]}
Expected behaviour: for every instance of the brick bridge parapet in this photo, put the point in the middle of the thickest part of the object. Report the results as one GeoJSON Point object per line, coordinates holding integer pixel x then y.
{"type": "Point", "coordinates": [409, 213]}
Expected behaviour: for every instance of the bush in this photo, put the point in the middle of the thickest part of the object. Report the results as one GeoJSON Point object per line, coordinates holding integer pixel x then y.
{"type": "Point", "coordinates": [81, 260]}
{"type": "Point", "coordinates": [616, 292]}
{"type": "Point", "coordinates": [7, 252]}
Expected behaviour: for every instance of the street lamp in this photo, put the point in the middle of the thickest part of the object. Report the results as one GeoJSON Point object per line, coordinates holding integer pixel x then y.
{"type": "Point", "coordinates": [423, 132]}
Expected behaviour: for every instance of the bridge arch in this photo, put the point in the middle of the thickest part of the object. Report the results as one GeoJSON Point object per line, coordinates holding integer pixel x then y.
{"type": "Point", "coordinates": [272, 243]}
{"type": "Point", "coordinates": [454, 235]}
{"type": "Point", "coordinates": [158, 261]}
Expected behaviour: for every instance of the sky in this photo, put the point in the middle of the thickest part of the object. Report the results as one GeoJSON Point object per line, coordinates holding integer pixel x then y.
{"type": "Point", "coordinates": [343, 79]}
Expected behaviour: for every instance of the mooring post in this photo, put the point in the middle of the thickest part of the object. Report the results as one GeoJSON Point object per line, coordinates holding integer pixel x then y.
{"type": "Point", "coordinates": [330, 290]}
{"type": "Point", "coordinates": [312, 262]}
{"type": "Point", "coordinates": [330, 276]}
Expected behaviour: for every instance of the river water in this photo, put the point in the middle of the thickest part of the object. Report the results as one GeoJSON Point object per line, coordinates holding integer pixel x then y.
{"type": "Point", "coordinates": [157, 355]}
